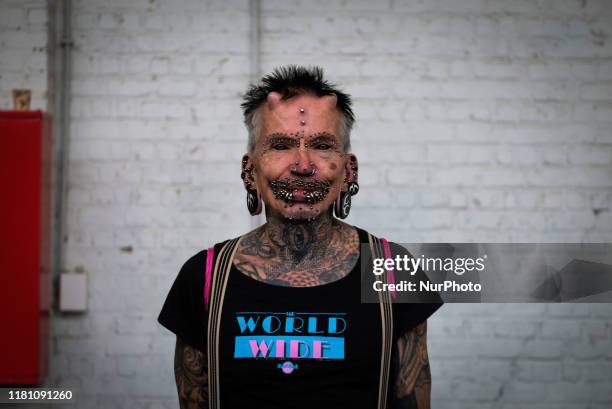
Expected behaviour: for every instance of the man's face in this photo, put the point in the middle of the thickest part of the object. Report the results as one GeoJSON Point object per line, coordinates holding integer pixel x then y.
{"type": "Point", "coordinates": [299, 164]}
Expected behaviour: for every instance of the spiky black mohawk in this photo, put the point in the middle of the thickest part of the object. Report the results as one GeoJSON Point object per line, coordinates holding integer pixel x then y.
{"type": "Point", "coordinates": [292, 80]}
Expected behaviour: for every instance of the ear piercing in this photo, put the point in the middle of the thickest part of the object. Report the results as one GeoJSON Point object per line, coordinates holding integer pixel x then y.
{"type": "Point", "coordinates": [253, 198]}
{"type": "Point", "coordinates": [354, 168]}
{"type": "Point", "coordinates": [247, 174]}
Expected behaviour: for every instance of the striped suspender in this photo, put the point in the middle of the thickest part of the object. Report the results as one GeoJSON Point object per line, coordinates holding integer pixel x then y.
{"type": "Point", "coordinates": [219, 279]}
{"type": "Point", "coordinates": [386, 320]}
{"type": "Point", "coordinates": [217, 294]}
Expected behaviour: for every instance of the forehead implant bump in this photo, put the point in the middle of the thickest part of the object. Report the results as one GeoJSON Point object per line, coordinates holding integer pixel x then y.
{"type": "Point", "coordinates": [331, 99]}
{"type": "Point", "coordinates": [274, 99]}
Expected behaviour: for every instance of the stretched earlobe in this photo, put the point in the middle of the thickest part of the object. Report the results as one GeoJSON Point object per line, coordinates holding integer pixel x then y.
{"type": "Point", "coordinates": [342, 205]}
{"type": "Point", "coordinates": [254, 202]}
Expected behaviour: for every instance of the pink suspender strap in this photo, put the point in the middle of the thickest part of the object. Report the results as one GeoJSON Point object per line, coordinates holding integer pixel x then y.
{"type": "Point", "coordinates": [210, 255]}
{"type": "Point", "coordinates": [390, 274]}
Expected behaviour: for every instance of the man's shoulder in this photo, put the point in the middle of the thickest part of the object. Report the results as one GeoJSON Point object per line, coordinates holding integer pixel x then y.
{"type": "Point", "coordinates": [192, 268]}
{"type": "Point", "coordinates": [198, 258]}
{"type": "Point", "coordinates": [196, 263]}
{"type": "Point", "coordinates": [394, 247]}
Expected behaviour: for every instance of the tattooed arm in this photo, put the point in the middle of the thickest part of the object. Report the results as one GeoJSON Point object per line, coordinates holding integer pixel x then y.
{"type": "Point", "coordinates": [191, 374]}
{"type": "Point", "coordinates": [413, 382]}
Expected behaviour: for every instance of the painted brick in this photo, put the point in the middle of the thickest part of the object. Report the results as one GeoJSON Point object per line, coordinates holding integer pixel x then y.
{"type": "Point", "coordinates": [476, 120]}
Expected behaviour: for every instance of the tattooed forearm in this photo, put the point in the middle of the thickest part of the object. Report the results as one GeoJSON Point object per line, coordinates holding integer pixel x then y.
{"type": "Point", "coordinates": [413, 381]}
{"type": "Point", "coordinates": [191, 374]}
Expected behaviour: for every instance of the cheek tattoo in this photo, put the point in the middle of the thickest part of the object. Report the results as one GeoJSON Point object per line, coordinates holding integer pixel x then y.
{"type": "Point", "coordinates": [315, 190]}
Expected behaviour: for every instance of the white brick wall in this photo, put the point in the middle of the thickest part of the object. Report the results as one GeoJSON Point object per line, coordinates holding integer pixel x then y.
{"type": "Point", "coordinates": [478, 120]}
{"type": "Point", "coordinates": [23, 51]}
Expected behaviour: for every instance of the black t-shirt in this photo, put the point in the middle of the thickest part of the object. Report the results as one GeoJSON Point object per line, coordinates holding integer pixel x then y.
{"type": "Point", "coordinates": [286, 347]}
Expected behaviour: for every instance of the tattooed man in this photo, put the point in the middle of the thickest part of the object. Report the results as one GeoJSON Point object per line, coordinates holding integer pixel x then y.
{"type": "Point", "coordinates": [274, 319]}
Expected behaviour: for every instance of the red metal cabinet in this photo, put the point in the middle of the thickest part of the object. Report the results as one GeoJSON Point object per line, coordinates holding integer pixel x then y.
{"type": "Point", "coordinates": [25, 254]}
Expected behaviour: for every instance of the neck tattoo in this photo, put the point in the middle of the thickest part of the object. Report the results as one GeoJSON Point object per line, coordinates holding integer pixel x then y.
{"type": "Point", "coordinates": [298, 253]}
